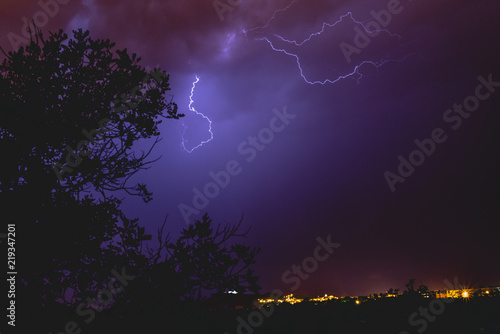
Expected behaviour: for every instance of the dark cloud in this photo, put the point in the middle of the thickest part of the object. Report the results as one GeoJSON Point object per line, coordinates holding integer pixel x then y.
{"type": "Point", "coordinates": [323, 174]}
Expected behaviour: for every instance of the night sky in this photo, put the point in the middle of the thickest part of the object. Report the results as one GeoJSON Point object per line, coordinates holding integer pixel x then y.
{"type": "Point", "coordinates": [322, 170]}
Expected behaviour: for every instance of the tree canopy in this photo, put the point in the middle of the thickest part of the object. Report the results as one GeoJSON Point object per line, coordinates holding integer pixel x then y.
{"type": "Point", "coordinates": [72, 112]}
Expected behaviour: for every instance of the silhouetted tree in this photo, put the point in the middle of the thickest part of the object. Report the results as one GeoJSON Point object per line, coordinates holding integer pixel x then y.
{"type": "Point", "coordinates": [410, 286]}
{"type": "Point", "coordinates": [205, 261]}
{"type": "Point", "coordinates": [71, 111]}
{"type": "Point", "coordinates": [423, 289]}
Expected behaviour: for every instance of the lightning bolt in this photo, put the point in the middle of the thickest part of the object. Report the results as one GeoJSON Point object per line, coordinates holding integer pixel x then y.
{"type": "Point", "coordinates": [355, 74]}
{"type": "Point", "coordinates": [272, 18]}
{"type": "Point", "coordinates": [191, 101]}
{"type": "Point", "coordinates": [332, 25]}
